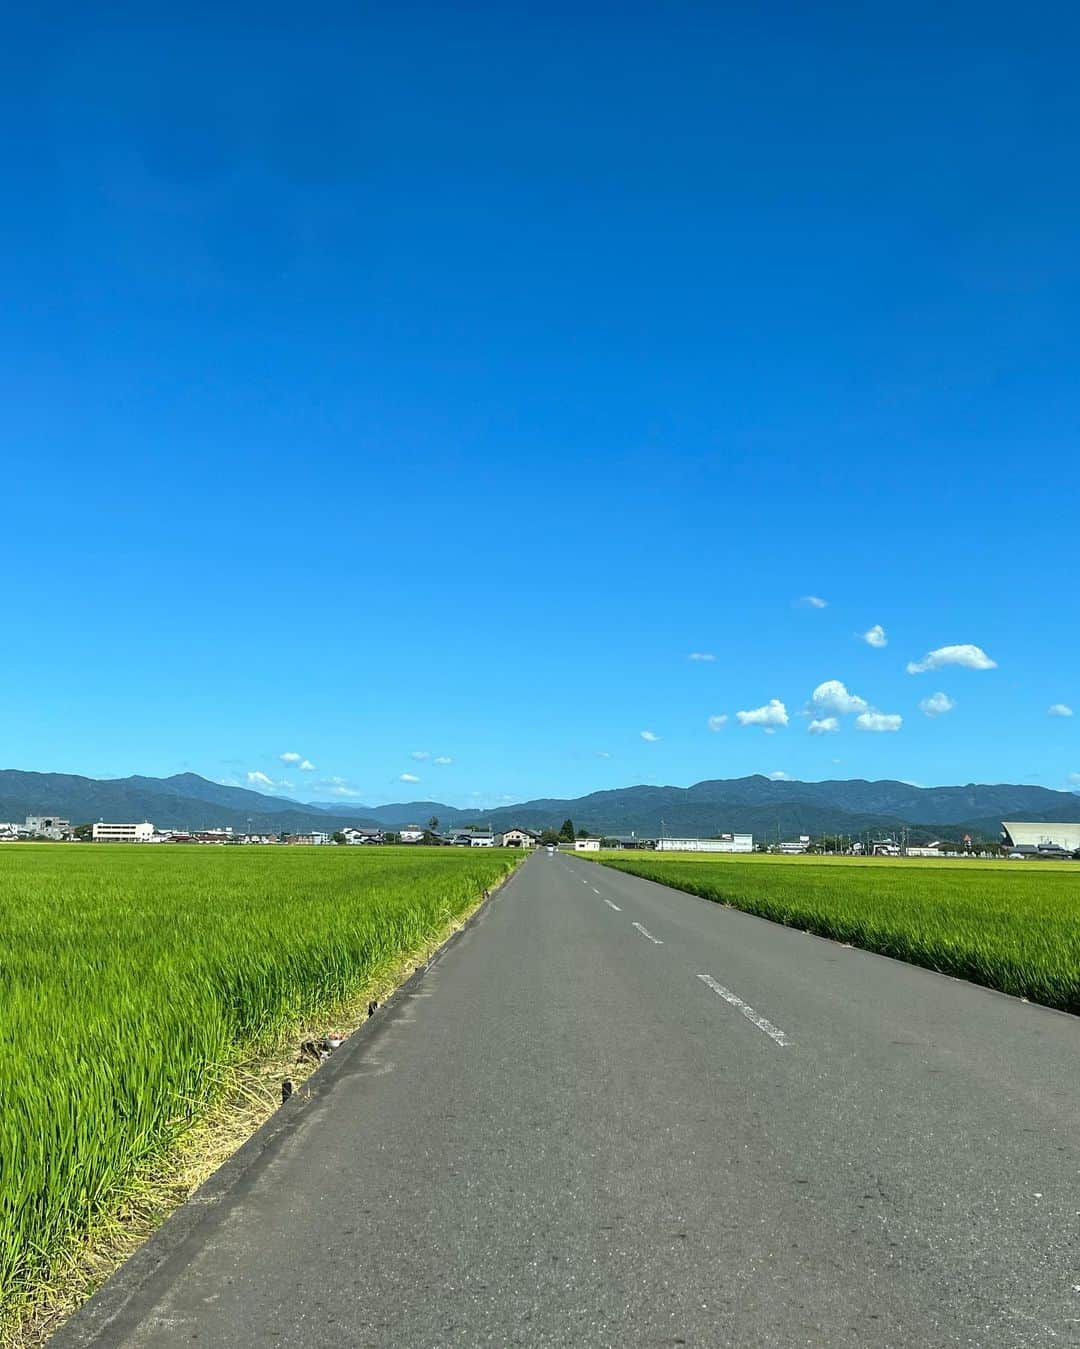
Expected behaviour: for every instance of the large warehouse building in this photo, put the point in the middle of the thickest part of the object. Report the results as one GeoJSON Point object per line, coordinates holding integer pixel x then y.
{"type": "Point", "coordinates": [1026, 836]}
{"type": "Point", "coordinates": [725, 843]}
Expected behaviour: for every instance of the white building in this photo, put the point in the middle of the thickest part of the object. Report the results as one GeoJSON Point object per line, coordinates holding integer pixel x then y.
{"type": "Point", "coordinates": [412, 833]}
{"type": "Point", "coordinates": [586, 845]}
{"type": "Point", "coordinates": [370, 834]}
{"type": "Point", "coordinates": [123, 833]}
{"type": "Point", "coordinates": [518, 838]}
{"type": "Point", "coordinates": [725, 843]}
{"type": "Point", "coordinates": [47, 826]}
{"type": "Point", "coordinates": [793, 847]}
{"type": "Point", "coordinates": [1026, 836]}
{"type": "Point", "coordinates": [314, 839]}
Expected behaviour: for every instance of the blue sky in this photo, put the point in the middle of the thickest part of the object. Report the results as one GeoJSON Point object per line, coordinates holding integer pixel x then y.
{"type": "Point", "coordinates": [393, 381]}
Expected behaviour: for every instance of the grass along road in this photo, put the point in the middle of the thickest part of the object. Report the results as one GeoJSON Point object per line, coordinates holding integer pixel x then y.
{"type": "Point", "coordinates": [1009, 926]}
{"type": "Point", "coordinates": [135, 980]}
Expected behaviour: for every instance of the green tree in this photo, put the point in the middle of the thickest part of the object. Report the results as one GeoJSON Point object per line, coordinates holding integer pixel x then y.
{"type": "Point", "coordinates": [566, 833]}
{"type": "Point", "coordinates": [338, 836]}
{"type": "Point", "coordinates": [548, 836]}
{"type": "Point", "coordinates": [433, 823]}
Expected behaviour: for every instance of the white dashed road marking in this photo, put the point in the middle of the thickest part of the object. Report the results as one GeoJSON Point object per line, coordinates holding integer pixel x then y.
{"type": "Point", "coordinates": [612, 906]}
{"type": "Point", "coordinates": [774, 1032]}
{"type": "Point", "coordinates": [648, 935]}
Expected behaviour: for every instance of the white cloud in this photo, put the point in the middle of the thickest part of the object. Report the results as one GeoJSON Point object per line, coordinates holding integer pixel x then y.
{"type": "Point", "coordinates": [419, 754]}
{"type": "Point", "coordinates": [774, 713]}
{"type": "Point", "coordinates": [1074, 778]}
{"type": "Point", "coordinates": [306, 766]}
{"type": "Point", "coordinates": [290, 756]}
{"type": "Point", "coordinates": [343, 791]}
{"type": "Point", "coordinates": [701, 655]}
{"type": "Point", "coordinates": [832, 696]}
{"type": "Point", "coordinates": [875, 636]}
{"type": "Point", "coordinates": [442, 760]}
{"type": "Point", "coordinates": [936, 705]}
{"type": "Point", "coordinates": [879, 721]}
{"type": "Point", "coordinates": [257, 779]}
{"type": "Point", "coordinates": [408, 777]}
{"type": "Point", "coordinates": [814, 602]}
{"type": "Point", "coordinates": [824, 726]}
{"type": "Point", "coordinates": [716, 722]}
{"type": "Point", "coordinates": [778, 775]}
{"type": "Point", "coordinates": [970, 657]}
{"type": "Point", "coordinates": [650, 736]}
{"type": "Point", "coordinates": [1059, 710]}
{"type": "Point", "coordinates": [602, 754]}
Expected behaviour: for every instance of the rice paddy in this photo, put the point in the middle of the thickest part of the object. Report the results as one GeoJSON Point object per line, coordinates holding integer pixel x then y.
{"type": "Point", "coordinates": [1013, 926]}
{"type": "Point", "coordinates": [132, 980]}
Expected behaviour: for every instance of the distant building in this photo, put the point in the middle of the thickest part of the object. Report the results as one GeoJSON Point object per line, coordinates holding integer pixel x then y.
{"type": "Point", "coordinates": [586, 845]}
{"type": "Point", "coordinates": [213, 836]}
{"type": "Point", "coordinates": [793, 847]}
{"type": "Point", "coordinates": [314, 839]}
{"type": "Point", "coordinates": [412, 833]}
{"type": "Point", "coordinates": [518, 838]}
{"type": "Point", "coordinates": [1024, 836]}
{"type": "Point", "coordinates": [122, 833]}
{"type": "Point", "coordinates": [472, 838]}
{"type": "Point", "coordinates": [369, 834]}
{"type": "Point", "coordinates": [47, 826]}
{"type": "Point", "coordinates": [724, 843]}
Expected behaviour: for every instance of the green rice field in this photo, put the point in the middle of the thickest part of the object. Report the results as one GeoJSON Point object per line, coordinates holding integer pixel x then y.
{"type": "Point", "coordinates": [1014, 926]}
{"type": "Point", "coordinates": [132, 979]}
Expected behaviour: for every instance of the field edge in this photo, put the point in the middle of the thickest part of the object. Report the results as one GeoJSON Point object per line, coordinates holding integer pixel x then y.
{"type": "Point", "coordinates": [213, 1144]}
{"type": "Point", "coordinates": [948, 960]}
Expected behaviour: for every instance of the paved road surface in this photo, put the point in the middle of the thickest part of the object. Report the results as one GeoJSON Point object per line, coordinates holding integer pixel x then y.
{"type": "Point", "coordinates": [615, 1115]}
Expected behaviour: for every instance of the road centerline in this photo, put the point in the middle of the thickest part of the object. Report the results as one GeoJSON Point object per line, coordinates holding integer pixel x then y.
{"type": "Point", "coordinates": [761, 1022]}
{"type": "Point", "coordinates": [656, 941]}
{"type": "Point", "coordinates": [612, 906]}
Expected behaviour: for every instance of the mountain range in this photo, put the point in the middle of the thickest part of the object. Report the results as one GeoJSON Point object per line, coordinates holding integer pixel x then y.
{"type": "Point", "coordinates": [755, 804]}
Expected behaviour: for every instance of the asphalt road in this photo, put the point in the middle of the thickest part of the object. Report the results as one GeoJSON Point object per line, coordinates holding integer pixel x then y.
{"type": "Point", "coordinates": [612, 1114]}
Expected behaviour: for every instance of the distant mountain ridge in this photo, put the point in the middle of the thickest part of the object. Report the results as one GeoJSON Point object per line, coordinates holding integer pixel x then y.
{"type": "Point", "coordinates": [757, 804]}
